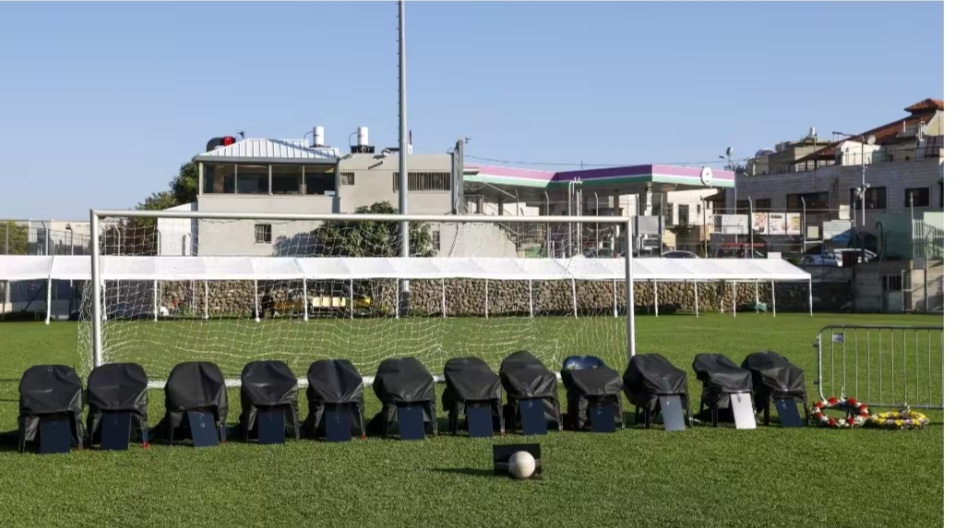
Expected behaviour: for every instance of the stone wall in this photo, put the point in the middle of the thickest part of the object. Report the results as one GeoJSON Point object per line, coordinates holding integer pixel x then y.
{"type": "Point", "coordinates": [469, 297]}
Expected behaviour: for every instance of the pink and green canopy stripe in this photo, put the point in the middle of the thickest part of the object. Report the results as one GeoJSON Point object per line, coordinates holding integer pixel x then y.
{"type": "Point", "coordinates": [636, 174]}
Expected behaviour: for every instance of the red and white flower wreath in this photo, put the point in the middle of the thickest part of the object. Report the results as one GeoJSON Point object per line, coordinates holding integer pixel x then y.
{"type": "Point", "coordinates": [856, 413]}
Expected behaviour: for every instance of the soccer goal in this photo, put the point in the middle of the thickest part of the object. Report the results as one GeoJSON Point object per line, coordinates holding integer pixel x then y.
{"type": "Point", "coordinates": [230, 288]}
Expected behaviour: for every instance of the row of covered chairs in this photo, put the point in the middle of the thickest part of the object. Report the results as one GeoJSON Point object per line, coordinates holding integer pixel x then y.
{"type": "Point", "coordinates": [196, 391]}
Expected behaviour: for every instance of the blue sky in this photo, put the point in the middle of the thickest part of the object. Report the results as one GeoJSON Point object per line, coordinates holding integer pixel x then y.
{"type": "Point", "coordinates": [101, 103]}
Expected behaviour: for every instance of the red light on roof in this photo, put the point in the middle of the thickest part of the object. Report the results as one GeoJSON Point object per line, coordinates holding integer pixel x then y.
{"type": "Point", "coordinates": [228, 140]}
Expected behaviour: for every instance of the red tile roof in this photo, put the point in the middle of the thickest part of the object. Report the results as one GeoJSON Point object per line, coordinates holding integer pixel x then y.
{"type": "Point", "coordinates": [926, 105]}
{"type": "Point", "coordinates": [922, 112]}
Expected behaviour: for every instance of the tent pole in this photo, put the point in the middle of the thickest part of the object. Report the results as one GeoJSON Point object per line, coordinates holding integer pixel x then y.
{"type": "Point", "coordinates": [656, 297]}
{"type": "Point", "coordinates": [351, 298]}
{"type": "Point", "coordinates": [443, 282]}
{"type": "Point", "coordinates": [615, 301]}
{"type": "Point", "coordinates": [397, 299]}
{"type": "Point", "coordinates": [531, 298]}
{"type": "Point", "coordinates": [756, 285]}
{"type": "Point", "coordinates": [696, 294]}
{"type": "Point", "coordinates": [256, 305]}
{"type": "Point", "coordinates": [810, 297]}
{"type": "Point", "coordinates": [486, 302]}
{"type": "Point", "coordinates": [155, 307]}
{"type": "Point", "coordinates": [49, 297]}
{"type": "Point", "coordinates": [306, 307]}
{"type": "Point", "coordinates": [735, 300]}
{"type": "Point", "coordinates": [773, 288]}
{"type": "Point", "coordinates": [206, 300]}
{"type": "Point", "coordinates": [575, 311]}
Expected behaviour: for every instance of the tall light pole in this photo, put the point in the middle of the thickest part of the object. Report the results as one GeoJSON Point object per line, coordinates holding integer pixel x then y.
{"type": "Point", "coordinates": [404, 148]}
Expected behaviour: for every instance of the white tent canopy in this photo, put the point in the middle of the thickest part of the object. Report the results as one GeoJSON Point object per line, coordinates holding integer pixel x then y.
{"type": "Point", "coordinates": [19, 268]}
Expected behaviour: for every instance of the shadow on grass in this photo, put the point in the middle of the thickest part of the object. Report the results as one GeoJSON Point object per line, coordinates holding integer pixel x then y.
{"type": "Point", "coordinates": [469, 472]}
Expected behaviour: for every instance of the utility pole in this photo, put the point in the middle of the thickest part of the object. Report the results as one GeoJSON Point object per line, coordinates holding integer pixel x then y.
{"type": "Point", "coordinates": [458, 194]}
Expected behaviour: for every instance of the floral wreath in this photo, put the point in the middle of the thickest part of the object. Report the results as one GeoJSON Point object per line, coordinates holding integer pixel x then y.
{"type": "Point", "coordinates": [904, 419]}
{"type": "Point", "coordinates": [857, 413]}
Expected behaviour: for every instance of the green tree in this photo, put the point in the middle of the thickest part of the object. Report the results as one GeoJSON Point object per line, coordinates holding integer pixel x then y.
{"type": "Point", "coordinates": [13, 239]}
{"type": "Point", "coordinates": [183, 190]}
{"type": "Point", "coordinates": [371, 239]}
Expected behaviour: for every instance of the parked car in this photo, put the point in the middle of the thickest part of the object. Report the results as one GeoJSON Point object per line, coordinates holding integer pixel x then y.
{"type": "Point", "coordinates": [680, 254]}
{"type": "Point", "coordinates": [834, 257]}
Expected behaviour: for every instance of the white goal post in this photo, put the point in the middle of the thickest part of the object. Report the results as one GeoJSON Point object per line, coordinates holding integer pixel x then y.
{"type": "Point", "coordinates": [322, 286]}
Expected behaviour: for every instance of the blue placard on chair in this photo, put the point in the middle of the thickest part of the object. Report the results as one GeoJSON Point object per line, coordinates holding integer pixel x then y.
{"type": "Point", "coordinates": [602, 417]}
{"type": "Point", "coordinates": [54, 435]}
{"type": "Point", "coordinates": [533, 417]}
{"type": "Point", "coordinates": [203, 428]}
{"type": "Point", "coordinates": [671, 407]}
{"type": "Point", "coordinates": [270, 425]}
{"type": "Point", "coordinates": [479, 420]}
{"type": "Point", "coordinates": [411, 422]}
{"type": "Point", "coordinates": [788, 413]}
{"type": "Point", "coordinates": [338, 423]}
{"type": "Point", "coordinates": [115, 431]}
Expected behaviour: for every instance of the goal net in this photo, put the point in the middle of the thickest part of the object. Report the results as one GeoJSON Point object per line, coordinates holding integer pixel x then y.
{"type": "Point", "coordinates": [298, 289]}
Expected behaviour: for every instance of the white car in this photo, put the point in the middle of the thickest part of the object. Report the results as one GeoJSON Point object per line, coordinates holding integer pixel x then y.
{"type": "Point", "coordinates": [834, 257]}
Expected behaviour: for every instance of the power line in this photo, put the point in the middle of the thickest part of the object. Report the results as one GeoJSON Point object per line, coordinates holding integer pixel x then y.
{"type": "Point", "coordinates": [591, 165]}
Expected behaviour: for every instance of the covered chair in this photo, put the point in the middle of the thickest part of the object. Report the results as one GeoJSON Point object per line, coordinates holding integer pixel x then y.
{"type": "Point", "coordinates": [195, 386]}
{"type": "Point", "coordinates": [265, 386]}
{"type": "Point", "coordinates": [333, 383]}
{"type": "Point", "coordinates": [590, 383]}
{"type": "Point", "coordinates": [649, 376]}
{"type": "Point", "coordinates": [117, 388]}
{"type": "Point", "coordinates": [50, 392]}
{"type": "Point", "coordinates": [775, 378]}
{"type": "Point", "coordinates": [403, 383]}
{"type": "Point", "coordinates": [526, 378]}
{"type": "Point", "coordinates": [721, 378]}
{"type": "Point", "coordinates": [469, 381]}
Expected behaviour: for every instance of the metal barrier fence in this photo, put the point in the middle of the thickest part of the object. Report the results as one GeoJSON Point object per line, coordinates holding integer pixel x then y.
{"type": "Point", "coordinates": [883, 366]}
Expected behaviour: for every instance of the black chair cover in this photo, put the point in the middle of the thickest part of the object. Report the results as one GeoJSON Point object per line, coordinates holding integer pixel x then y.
{"type": "Point", "coordinates": [192, 386]}
{"type": "Point", "coordinates": [50, 390]}
{"type": "Point", "coordinates": [470, 380]}
{"type": "Point", "coordinates": [117, 387]}
{"type": "Point", "coordinates": [525, 377]}
{"type": "Point", "coordinates": [333, 382]}
{"type": "Point", "coordinates": [268, 383]}
{"type": "Point", "coordinates": [587, 379]}
{"type": "Point", "coordinates": [403, 381]}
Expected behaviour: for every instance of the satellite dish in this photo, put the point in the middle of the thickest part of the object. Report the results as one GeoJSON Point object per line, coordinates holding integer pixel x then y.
{"type": "Point", "coordinates": [871, 140]}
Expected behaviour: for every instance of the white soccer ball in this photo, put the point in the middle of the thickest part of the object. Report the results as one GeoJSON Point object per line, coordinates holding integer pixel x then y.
{"type": "Point", "coordinates": [522, 465]}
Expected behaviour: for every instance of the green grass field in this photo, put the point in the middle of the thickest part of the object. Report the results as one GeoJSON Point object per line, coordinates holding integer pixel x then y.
{"type": "Point", "coordinates": [701, 477]}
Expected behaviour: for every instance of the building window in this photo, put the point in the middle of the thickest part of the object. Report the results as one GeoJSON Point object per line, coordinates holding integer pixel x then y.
{"type": "Point", "coordinates": [875, 198]}
{"type": "Point", "coordinates": [219, 179]}
{"type": "Point", "coordinates": [424, 181]}
{"type": "Point", "coordinates": [670, 214]}
{"type": "Point", "coordinates": [436, 240]}
{"type": "Point", "coordinates": [347, 178]}
{"type": "Point", "coordinates": [286, 179]}
{"type": "Point", "coordinates": [320, 181]}
{"type": "Point", "coordinates": [263, 233]}
{"type": "Point", "coordinates": [683, 214]}
{"type": "Point", "coordinates": [892, 283]}
{"type": "Point", "coordinates": [742, 207]}
{"type": "Point", "coordinates": [252, 179]}
{"type": "Point", "coordinates": [919, 195]}
{"type": "Point", "coordinates": [764, 204]}
{"type": "Point", "coordinates": [818, 201]}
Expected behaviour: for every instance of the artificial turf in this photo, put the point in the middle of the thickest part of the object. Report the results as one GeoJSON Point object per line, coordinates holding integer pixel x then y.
{"type": "Point", "coordinates": [701, 477]}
